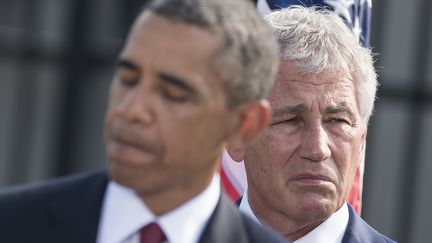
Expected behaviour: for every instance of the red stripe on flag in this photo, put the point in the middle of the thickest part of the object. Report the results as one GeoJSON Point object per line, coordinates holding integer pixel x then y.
{"type": "Point", "coordinates": [228, 187]}
{"type": "Point", "coordinates": [354, 197]}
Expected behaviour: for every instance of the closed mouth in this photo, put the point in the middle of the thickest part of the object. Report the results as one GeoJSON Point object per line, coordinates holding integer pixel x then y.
{"type": "Point", "coordinates": [133, 144]}
{"type": "Point", "coordinates": [311, 177]}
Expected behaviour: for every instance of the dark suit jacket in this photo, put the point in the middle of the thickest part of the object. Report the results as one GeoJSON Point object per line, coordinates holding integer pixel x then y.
{"type": "Point", "coordinates": [68, 210]}
{"type": "Point", "coordinates": [357, 231]}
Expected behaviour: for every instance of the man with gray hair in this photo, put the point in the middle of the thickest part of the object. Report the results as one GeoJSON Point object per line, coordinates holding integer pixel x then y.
{"type": "Point", "coordinates": [191, 77]}
{"type": "Point", "coordinates": [300, 170]}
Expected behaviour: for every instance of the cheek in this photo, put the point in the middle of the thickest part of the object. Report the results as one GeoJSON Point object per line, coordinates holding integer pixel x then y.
{"type": "Point", "coordinates": [189, 137]}
{"type": "Point", "coordinates": [109, 119]}
{"type": "Point", "coordinates": [116, 93]}
{"type": "Point", "coordinates": [269, 155]}
{"type": "Point", "coordinates": [179, 117]}
{"type": "Point", "coordinates": [356, 158]}
{"type": "Point", "coordinates": [281, 144]}
{"type": "Point", "coordinates": [347, 157]}
{"type": "Point", "coordinates": [115, 97]}
{"type": "Point", "coordinates": [183, 130]}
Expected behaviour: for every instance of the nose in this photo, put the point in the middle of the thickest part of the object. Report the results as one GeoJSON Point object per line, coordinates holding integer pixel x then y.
{"type": "Point", "coordinates": [136, 106]}
{"type": "Point", "coordinates": [315, 144]}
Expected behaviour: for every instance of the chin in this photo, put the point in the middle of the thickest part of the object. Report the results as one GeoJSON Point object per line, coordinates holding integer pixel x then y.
{"type": "Point", "coordinates": [144, 184]}
{"type": "Point", "coordinates": [317, 206]}
{"type": "Point", "coordinates": [122, 175]}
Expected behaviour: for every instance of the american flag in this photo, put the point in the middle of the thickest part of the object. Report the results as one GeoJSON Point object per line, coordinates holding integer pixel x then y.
{"type": "Point", "coordinates": [357, 16]}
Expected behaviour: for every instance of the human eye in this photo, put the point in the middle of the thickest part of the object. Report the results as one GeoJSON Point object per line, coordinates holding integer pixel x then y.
{"type": "Point", "coordinates": [339, 121]}
{"type": "Point", "coordinates": [175, 94]}
{"type": "Point", "coordinates": [127, 77]}
{"type": "Point", "coordinates": [128, 82]}
{"type": "Point", "coordinates": [287, 121]}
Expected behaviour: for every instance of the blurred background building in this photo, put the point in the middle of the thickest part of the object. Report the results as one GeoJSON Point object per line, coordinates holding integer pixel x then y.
{"type": "Point", "coordinates": [56, 63]}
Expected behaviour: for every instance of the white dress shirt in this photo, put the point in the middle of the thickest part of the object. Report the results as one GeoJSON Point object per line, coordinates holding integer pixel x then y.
{"type": "Point", "coordinates": [124, 214]}
{"type": "Point", "coordinates": [329, 231]}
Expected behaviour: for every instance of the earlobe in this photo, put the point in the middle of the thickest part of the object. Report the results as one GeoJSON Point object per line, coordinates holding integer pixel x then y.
{"type": "Point", "coordinates": [363, 145]}
{"type": "Point", "coordinates": [257, 120]}
{"type": "Point", "coordinates": [255, 117]}
{"type": "Point", "coordinates": [236, 153]}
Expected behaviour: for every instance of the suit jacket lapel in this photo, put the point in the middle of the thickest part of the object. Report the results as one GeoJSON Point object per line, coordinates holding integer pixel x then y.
{"type": "Point", "coordinates": [76, 212]}
{"type": "Point", "coordinates": [225, 225]}
{"type": "Point", "coordinates": [358, 230]}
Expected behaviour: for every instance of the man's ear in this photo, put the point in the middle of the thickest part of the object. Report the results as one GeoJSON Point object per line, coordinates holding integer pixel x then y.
{"type": "Point", "coordinates": [362, 150]}
{"type": "Point", "coordinates": [363, 145]}
{"type": "Point", "coordinates": [254, 118]}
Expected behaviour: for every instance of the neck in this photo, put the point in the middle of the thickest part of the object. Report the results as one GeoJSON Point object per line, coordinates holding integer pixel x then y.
{"type": "Point", "coordinates": [279, 220]}
{"type": "Point", "coordinates": [302, 231]}
{"type": "Point", "coordinates": [166, 200]}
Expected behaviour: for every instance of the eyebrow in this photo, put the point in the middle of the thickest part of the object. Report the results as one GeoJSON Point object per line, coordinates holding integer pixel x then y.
{"type": "Point", "coordinates": [162, 75]}
{"type": "Point", "coordinates": [301, 108]}
{"type": "Point", "coordinates": [178, 82]}
{"type": "Point", "coordinates": [127, 64]}
{"type": "Point", "coordinates": [297, 109]}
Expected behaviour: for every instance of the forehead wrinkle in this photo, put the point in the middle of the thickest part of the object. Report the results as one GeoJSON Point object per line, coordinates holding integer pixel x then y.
{"type": "Point", "coordinates": [316, 79]}
{"type": "Point", "coordinates": [307, 82]}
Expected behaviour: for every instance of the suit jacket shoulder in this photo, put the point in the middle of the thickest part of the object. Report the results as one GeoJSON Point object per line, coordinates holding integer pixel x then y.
{"type": "Point", "coordinates": [359, 231]}
{"type": "Point", "coordinates": [53, 211]}
{"type": "Point", "coordinates": [228, 225]}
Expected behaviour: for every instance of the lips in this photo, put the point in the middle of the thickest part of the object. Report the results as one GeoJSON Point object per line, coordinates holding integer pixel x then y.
{"type": "Point", "coordinates": [131, 152]}
{"type": "Point", "coordinates": [310, 176]}
{"type": "Point", "coordinates": [132, 143]}
{"type": "Point", "coordinates": [311, 179]}
{"type": "Point", "coordinates": [130, 136]}
{"type": "Point", "coordinates": [127, 142]}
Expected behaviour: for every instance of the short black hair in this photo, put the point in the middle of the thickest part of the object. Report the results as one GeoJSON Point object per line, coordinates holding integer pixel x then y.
{"type": "Point", "coordinates": [248, 58]}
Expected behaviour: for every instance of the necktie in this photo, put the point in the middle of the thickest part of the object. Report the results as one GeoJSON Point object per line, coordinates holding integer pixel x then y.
{"type": "Point", "coordinates": [152, 233]}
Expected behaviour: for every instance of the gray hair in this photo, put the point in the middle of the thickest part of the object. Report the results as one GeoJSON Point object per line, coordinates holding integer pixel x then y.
{"type": "Point", "coordinates": [319, 41]}
{"type": "Point", "coordinates": [247, 60]}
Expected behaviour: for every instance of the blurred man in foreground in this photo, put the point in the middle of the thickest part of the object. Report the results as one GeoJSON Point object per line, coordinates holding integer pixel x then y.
{"type": "Point", "coordinates": [191, 77]}
{"type": "Point", "coordinates": [300, 170]}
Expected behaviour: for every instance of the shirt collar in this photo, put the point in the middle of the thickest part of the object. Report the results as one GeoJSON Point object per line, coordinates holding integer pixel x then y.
{"type": "Point", "coordinates": [186, 223]}
{"type": "Point", "coordinates": [245, 207]}
{"type": "Point", "coordinates": [124, 213]}
{"type": "Point", "coordinates": [331, 230]}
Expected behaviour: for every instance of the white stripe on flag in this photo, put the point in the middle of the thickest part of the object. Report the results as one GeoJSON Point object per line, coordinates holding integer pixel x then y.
{"type": "Point", "coordinates": [235, 172]}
